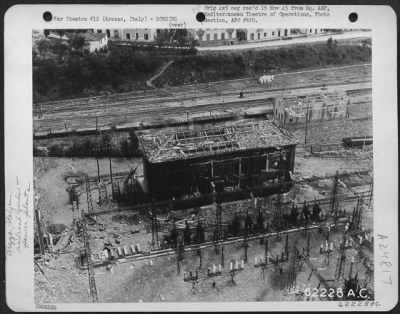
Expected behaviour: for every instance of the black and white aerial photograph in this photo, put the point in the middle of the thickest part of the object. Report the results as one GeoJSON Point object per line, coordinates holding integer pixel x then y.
{"type": "Point", "coordinates": [202, 165]}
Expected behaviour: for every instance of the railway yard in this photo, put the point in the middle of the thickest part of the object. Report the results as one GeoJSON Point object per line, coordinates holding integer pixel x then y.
{"type": "Point", "coordinates": [303, 221]}
{"type": "Point", "coordinates": [186, 102]}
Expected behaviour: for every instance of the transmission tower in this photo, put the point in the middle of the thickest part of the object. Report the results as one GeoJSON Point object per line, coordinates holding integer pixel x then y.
{"type": "Point", "coordinates": [291, 281]}
{"type": "Point", "coordinates": [92, 282]}
{"type": "Point", "coordinates": [371, 193]}
{"type": "Point", "coordinates": [339, 273]}
{"type": "Point", "coordinates": [359, 214]}
{"type": "Point", "coordinates": [102, 192]}
{"type": "Point", "coordinates": [334, 204]}
{"type": "Point", "coordinates": [218, 213]}
{"type": "Point", "coordinates": [89, 195]}
{"type": "Point", "coordinates": [277, 217]}
{"type": "Point", "coordinates": [154, 228]}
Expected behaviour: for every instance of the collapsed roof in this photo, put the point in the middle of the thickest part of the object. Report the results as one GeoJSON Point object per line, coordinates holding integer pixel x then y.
{"type": "Point", "coordinates": [161, 145]}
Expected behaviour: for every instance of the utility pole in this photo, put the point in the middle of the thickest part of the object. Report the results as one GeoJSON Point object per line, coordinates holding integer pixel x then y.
{"type": "Point", "coordinates": [266, 251]}
{"type": "Point", "coordinates": [154, 227]}
{"type": "Point", "coordinates": [371, 191]}
{"type": "Point", "coordinates": [91, 275]}
{"type": "Point", "coordinates": [287, 244]}
{"type": "Point", "coordinates": [277, 214]}
{"type": "Point", "coordinates": [305, 135]}
{"type": "Point", "coordinates": [334, 204]}
{"type": "Point", "coordinates": [113, 188]}
{"type": "Point", "coordinates": [40, 234]}
{"type": "Point", "coordinates": [246, 231]}
{"type": "Point", "coordinates": [339, 273]}
{"type": "Point", "coordinates": [359, 214]}
{"type": "Point", "coordinates": [97, 149]}
{"type": "Point", "coordinates": [200, 259]}
{"type": "Point", "coordinates": [291, 281]}
{"type": "Point", "coordinates": [88, 195]}
{"type": "Point", "coordinates": [109, 159]}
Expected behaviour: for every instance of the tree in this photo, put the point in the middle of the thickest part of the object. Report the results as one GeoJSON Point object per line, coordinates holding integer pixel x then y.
{"type": "Point", "coordinates": [174, 235]}
{"type": "Point", "coordinates": [162, 37]}
{"type": "Point", "coordinates": [77, 42]}
{"type": "Point", "coordinates": [124, 147]}
{"type": "Point", "coordinates": [187, 234]}
{"type": "Point", "coordinates": [60, 47]}
{"type": "Point", "coordinates": [56, 151]}
{"type": "Point", "coordinates": [34, 56]}
{"type": "Point", "coordinates": [330, 42]}
{"type": "Point", "coordinates": [133, 141]}
{"type": "Point", "coordinates": [106, 139]}
{"type": "Point", "coordinates": [181, 37]}
{"type": "Point", "coordinates": [60, 32]}
{"type": "Point", "coordinates": [193, 43]}
{"type": "Point", "coordinates": [43, 45]}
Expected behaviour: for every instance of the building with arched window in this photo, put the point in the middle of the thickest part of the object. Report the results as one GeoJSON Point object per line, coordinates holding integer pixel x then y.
{"type": "Point", "coordinates": [310, 31]}
{"type": "Point", "coordinates": [95, 41]}
{"type": "Point", "coordinates": [131, 34]}
{"type": "Point", "coordinates": [213, 36]}
{"type": "Point", "coordinates": [259, 34]}
{"type": "Point", "coordinates": [218, 37]}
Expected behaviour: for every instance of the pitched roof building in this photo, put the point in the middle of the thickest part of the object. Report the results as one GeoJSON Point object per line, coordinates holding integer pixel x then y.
{"type": "Point", "coordinates": [95, 41]}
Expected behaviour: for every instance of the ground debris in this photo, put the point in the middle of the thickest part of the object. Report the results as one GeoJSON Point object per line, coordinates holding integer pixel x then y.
{"type": "Point", "coordinates": [63, 242]}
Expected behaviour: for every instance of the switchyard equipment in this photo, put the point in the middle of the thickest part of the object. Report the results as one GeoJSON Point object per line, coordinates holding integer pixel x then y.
{"type": "Point", "coordinates": [357, 141]}
{"type": "Point", "coordinates": [237, 159]}
{"type": "Point", "coordinates": [88, 195]}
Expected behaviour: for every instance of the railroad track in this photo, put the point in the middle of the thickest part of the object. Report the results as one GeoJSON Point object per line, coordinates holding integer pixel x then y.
{"type": "Point", "coordinates": [167, 110]}
{"type": "Point", "coordinates": [207, 89]}
{"type": "Point", "coordinates": [139, 114]}
{"type": "Point", "coordinates": [128, 114]}
{"type": "Point", "coordinates": [131, 100]}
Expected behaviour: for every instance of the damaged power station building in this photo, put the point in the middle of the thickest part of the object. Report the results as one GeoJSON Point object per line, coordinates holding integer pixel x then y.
{"type": "Point", "coordinates": [231, 160]}
{"type": "Point", "coordinates": [327, 106]}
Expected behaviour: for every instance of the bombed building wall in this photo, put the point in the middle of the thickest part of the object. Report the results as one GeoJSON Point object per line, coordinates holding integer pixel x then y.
{"type": "Point", "coordinates": [228, 172]}
{"type": "Point", "coordinates": [228, 159]}
{"type": "Point", "coordinates": [295, 109]}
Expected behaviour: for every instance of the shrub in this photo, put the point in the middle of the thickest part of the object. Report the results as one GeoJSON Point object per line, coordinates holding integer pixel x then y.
{"type": "Point", "coordinates": [56, 151]}
{"type": "Point", "coordinates": [82, 71]}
